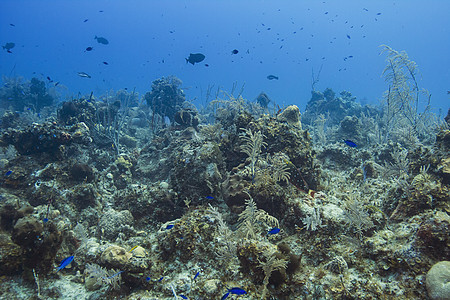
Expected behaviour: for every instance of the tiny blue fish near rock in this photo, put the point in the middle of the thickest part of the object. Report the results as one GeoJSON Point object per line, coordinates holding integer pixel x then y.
{"type": "Point", "coordinates": [274, 230]}
{"type": "Point", "coordinates": [350, 143]}
{"type": "Point", "coordinates": [234, 291]}
{"type": "Point", "coordinates": [64, 263]}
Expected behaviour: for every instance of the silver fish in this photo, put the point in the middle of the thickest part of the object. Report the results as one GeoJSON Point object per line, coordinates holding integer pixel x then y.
{"type": "Point", "coordinates": [82, 74]}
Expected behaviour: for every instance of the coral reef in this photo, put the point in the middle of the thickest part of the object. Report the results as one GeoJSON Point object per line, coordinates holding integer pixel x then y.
{"type": "Point", "coordinates": [231, 199]}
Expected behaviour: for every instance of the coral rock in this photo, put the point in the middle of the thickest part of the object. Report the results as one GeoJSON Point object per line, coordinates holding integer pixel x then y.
{"type": "Point", "coordinates": [116, 256]}
{"type": "Point", "coordinates": [291, 115]}
{"type": "Point", "coordinates": [438, 281]}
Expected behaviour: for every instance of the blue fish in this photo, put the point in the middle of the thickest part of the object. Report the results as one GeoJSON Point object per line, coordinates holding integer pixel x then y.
{"type": "Point", "coordinates": [147, 278]}
{"type": "Point", "coordinates": [112, 276]}
{"type": "Point", "coordinates": [45, 220]}
{"type": "Point", "coordinates": [169, 227]}
{"type": "Point", "coordinates": [234, 291]}
{"type": "Point", "coordinates": [274, 230]}
{"type": "Point", "coordinates": [183, 296]}
{"type": "Point", "coordinates": [350, 144]}
{"type": "Point", "coordinates": [8, 173]}
{"type": "Point", "coordinates": [196, 275]}
{"type": "Point", "coordinates": [210, 197]}
{"type": "Point", "coordinates": [65, 262]}
{"type": "Point", "coordinates": [159, 280]}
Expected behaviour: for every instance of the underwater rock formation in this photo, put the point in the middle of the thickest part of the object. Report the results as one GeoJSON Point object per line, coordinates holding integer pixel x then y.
{"type": "Point", "coordinates": [165, 97]}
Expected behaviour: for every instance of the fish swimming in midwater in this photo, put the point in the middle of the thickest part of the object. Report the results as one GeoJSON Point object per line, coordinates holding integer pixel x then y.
{"type": "Point", "coordinates": [348, 36]}
{"type": "Point", "coordinates": [169, 227]}
{"type": "Point", "coordinates": [105, 63]}
{"type": "Point", "coordinates": [272, 77]}
{"type": "Point", "coordinates": [89, 49]}
{"type": "Point", "coordinates": [65, 262]}
{"type": "Point", "coordinates": [350, 144]}
{"type": "Point", "coordinates": [12, 25]}
{"type": "Point", "coordinates": [101, 40]}
{"type": "Point", "coordinates": [82, 74]}
{"type": "Point", "coordinates": [195, 58]}
{"type": "Point", "coordinates": [9, 46]}
{"type": "Point", "coordinates": [8, 173]}
{"type": "Point", "coordinates": [235, 51]}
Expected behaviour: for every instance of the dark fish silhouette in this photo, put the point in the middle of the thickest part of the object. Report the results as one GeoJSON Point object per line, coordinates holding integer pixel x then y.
{"type": "Point", "coordinates": [105, 63]}
{"type": "Point", "coordinates": [235, 51]}
{"type": "Point", "coordinates": [9, 46]}
{"type": "Point", "coordinates": [89, 49]}
{"type": "Point", "coordinates": [348, 36]}
{"type": "Point", "coordinates": [272, 77]}
{"type": "Point", "coordinates": [11, 24]}
{"type": "Point", "coordinates": [85, 20]}
{"type": "Point", "coordinates": [101, 40]}
{"type": "Point", "coordinates": [195, 58]}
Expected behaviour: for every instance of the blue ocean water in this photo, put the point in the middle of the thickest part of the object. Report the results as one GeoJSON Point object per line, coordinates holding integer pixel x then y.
{"type": "Point", "coordinates": [288, 39]}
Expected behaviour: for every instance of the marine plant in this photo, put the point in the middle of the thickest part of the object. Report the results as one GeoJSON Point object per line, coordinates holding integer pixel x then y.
{"type": "Point", "coordinates": [103, 277]}
{"type": "Point", "coordinates": [403, 99]}
{"type": "Point", "coordinates": [272, 263]}
{"type": "Point", "coordinates": [356, 214]}
{"type": "Point", "coordinates": [252, 144]}
{"type": "Point", "coordinates": [252, 221]}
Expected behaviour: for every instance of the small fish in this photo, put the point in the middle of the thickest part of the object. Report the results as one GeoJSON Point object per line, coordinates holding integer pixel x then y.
{"type": "Point", "coordinates": [350, 144]}
{"type": "Point", "coordinates": [195, 58]}
{"type": "Point", "coordinates": [11, 24]}
{"type": "Point", "coordinates": [147, 278]}
{"type": "Point", "coordinates": [235, 51]}
{"type": "Point", "coordinates": [56, 83]}
{"type": "Point", "coordinates": [101, 40]}
{"type": "Point", "coordinates": [196, 275]}
{"type": "Point", "coordinates": [105, 63]}
{"type": "Point", "coordinates": [183, 296]}
{"type": "Point", "coordinates": [159, 280]}
{"type": "Point", "coordinates": [378, 14]}
{"type": "Point", "coordinates": [365, 9]}
{"type": "Point", "coordinates": [206, 65]}
{"type": "Point", "coordinates": [9, 46]}
{"type": "Point", "coordinates": [209, 197]}
{"type": "Point", "coordinates": [7, 174]}
{"type": "Point", "coordinates": [49, 79]}
{"type": "Point", "coordinates": [89, 49]}
{"type": "Point", "coordinates": [348, 36]}
{"type": "Point", "coordinates": [274, 230]}
{"type": "Point", "coordinates": [169, 227]}
{"type": "Point", "coordinates": [64, 263]}
{"type": "Point", "coordinates": [45, 220]}
{"type": "Point", "coordinates": [272, 77]}
{"type": "Point", "coordinates": [234, 291]}
{"type": "Point", "coordinates": [83, 74]}
{"type": "Point", "coordinates": [85, 20]}
{"type": "Point", "coordinates": [112, 276]}
{"type": "Point", "coordinates": [131, 250]}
